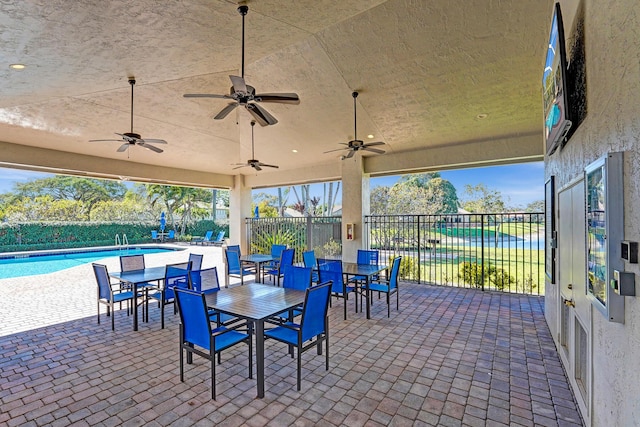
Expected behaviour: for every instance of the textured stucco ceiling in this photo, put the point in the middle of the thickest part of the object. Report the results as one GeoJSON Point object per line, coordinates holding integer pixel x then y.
{"type": "Point", "coordinates": [425, 71]}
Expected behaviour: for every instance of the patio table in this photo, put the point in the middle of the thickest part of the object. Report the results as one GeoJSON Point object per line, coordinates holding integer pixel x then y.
{"type": "Point", "coordinates": [134, 278]}
{"type": "Point", "coordinates": [255, 302]}
{"type": "Point", "coordinates": [368, 271]}
{"type": "Point", "coordinates": [257, 260]}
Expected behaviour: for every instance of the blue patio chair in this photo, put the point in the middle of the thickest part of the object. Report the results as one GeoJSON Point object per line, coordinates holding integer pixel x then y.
{"type": "Point", "coordinates": [235, 248]}
{"type": "Point", "coordinates": [175, 276]}
{"type": "Point", "coordinates": [331, 270]}
{"type": "Point", "coordinates": [294, 277]}
{"type": "Point", "coordinates": [200, 240]}
{"type": "Point", "coordinates": [285, 260]}
{"type": "Point", "coordinates": [134, 263]}
{"type": "Point", "coordinates": [235, 267]}
{"type": "Point", "coordinates": [196, 261]}
{"type": "Point", "coordinates": [309, 260]}
{"type": "Point", "coordinates": [390, 286]}
{"type": "Point", "coordinates": [154, 236]}
{"type": "Point", "coordinates": [276, 253]}
{"type": "Point", "coordinates": [206, 282]}
{"type": "Point", "coordinates": [109, 293]}
{"type": "Point", "coordinates": [196, 334]}
{"type": "Point", "coordinates": [171, 236]}
{"type": "Point", "coordinates": [313, 328]}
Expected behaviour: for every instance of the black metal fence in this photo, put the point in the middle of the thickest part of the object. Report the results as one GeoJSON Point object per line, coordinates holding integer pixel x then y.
{"type": "Point", "coordinates": [502, 252]}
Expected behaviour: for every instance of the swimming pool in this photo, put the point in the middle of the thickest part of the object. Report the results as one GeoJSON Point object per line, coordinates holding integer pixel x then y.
{"type": "Point", "coordinates": [32, 263]}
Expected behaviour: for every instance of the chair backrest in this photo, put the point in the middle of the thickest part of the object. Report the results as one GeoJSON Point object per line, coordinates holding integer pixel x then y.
{"type": "Point", "coordinates": [176, 276]}
{"type": "Point", "coordinates": [296, 277]}
{"type": "Point", "coordinates": [102, 278]}
{"type": "Point", "coordinates": [194, 319]}
{"type": "Point", "coordinates": [196, 261]}
{"type": "Point", "coordinates": [395, 270]}
{"type": "Point", "coordinates": [314, 311]}
{"type": "Point", "coordinates": [276, 251]}
{"type": "Point", "coordinates": [367, 257]}
{"type": "Point", "coordinates": [309, 259]}
{"type": "Point", "coordinates": [220, 236]}
{"type": "Point", "coordinates": [286, 258]}
{"type": "Point", "coordinates": [233, 261]}
{"type": "Point", "coordinates": [331, 270]}
{"type": "Point", "coordinates": [235, 248]}
{"type": "Point", "coordinates": [131, 262]}
{"type": "Point", "coordinates": [154, 234]}
{"type": "Point", "coordinates": [207, 236]}
{"type": "Point", "coordinates": [205, 281]}
{"type": "Point", "coordinates": [172, 234]}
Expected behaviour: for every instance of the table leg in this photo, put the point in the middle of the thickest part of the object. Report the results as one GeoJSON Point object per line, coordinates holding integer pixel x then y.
{"type": "Point", "coordinates": [260, 356]}
{"type": "Point", "coordinates": [367, 297]}
{"type": "Point", "coordinates": [135, 306]}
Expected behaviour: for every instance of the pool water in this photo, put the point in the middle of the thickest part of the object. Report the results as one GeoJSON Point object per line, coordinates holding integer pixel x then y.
{"type": "Point", "coordinates": [42, 263]}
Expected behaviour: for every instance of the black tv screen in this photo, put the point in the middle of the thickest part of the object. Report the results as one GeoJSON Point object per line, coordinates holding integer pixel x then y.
{"type": "Point", "coordinates": [554, 87]}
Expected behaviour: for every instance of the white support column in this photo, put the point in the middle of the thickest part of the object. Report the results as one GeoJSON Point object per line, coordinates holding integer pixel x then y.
{"type": "Point", "coordinates": [355, 204]}
{"type": "Point", "coordinates": [239, 209]}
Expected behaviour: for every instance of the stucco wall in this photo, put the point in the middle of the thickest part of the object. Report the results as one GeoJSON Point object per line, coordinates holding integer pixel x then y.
{"type": "Point", "coordinates": [612, 42]}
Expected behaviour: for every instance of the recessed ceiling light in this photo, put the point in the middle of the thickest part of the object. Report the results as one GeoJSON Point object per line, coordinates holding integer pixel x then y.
{"type": "Point", "coordinates": [17, 66]}
{"type": "Point", "coordinates": [295, 151]}
{"type": "Point", "coordinates": [370, 136]}
{"type": "Point", "coordinates": [482, 116]}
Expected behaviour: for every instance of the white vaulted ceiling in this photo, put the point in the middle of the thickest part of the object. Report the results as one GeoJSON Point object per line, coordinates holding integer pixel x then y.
{"type": "Point", "coordinates": [425, 71]}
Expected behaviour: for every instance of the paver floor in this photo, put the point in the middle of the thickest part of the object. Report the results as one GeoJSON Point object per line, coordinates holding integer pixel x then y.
{"type": "Point", "coordinates": [449, 357]}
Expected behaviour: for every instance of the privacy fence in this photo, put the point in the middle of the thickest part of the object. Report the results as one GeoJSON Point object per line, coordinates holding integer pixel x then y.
{"type": "Point", "coordinates": [501, 252]}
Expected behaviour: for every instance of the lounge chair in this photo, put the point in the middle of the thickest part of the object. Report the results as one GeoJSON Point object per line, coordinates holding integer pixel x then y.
{"type": "Point", "coordinates": [201, 240]}
{"type": "Point", "coordinates": [219, 239]}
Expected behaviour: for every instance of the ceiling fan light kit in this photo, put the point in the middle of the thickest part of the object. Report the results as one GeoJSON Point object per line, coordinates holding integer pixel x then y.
{"type": "Point", "coordinates": [132, 138]}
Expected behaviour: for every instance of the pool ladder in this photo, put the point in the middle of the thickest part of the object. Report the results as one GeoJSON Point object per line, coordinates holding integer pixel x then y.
{"type": "Point", "coordinates": [123, 245]}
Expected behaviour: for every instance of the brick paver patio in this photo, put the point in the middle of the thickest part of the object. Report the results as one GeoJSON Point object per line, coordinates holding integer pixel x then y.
{"type": "Point", "coordinates": [449, 357]}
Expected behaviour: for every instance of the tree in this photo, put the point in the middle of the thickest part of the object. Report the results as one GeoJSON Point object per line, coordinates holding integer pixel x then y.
{"type": "Point", "coordinates": [425, 193]}
{"type": "Point", "coordinates": [379, 200]}
{"type": "Point", "coordinates": [87, 191]}
{"type": "Point", "coordinates": [480, 199]}
{"type": "Point", "coordinates": [180, 202]}
{"type": "Point", "coordinates": [536, 206]}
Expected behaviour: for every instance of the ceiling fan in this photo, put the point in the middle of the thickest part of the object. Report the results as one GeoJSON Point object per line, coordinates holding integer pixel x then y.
{"type": "Point", "coordinates": [245, 95]}
{"type": "Point", "coordinates": [131, 138]}
{"type": "Point", "coordinates": [357, 144]}
{"type": "Point", "coordinates": [256, 164]}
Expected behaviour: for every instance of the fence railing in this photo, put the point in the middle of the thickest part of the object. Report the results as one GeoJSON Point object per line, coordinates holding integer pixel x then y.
{"type": "Point", "coordinates": [322, 234]}
{"type": "Point", "coordinates": [503, 251]}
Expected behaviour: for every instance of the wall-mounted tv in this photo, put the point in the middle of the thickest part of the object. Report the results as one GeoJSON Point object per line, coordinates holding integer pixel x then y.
{"type": "Point", "coordinates": [557, 121]}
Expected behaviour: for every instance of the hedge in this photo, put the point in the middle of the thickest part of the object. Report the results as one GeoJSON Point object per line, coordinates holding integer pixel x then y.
{"type": "Point", "coordinates": [62, 235]}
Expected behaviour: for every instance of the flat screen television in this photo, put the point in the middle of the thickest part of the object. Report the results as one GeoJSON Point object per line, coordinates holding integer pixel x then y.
{"type": "Point", "coordinates": [557, 121]}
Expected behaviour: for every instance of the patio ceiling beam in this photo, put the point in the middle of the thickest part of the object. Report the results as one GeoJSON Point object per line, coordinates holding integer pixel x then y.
{"type": "Point", "coordinates": [61, 162]}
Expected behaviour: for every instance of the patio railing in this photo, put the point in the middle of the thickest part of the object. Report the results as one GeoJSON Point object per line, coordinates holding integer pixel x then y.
{"type": "Point", "coordinates": [501, 252]}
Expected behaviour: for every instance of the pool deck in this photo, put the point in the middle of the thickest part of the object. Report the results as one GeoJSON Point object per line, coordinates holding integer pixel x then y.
{"type": "Point", "coordinates": [449, 357]}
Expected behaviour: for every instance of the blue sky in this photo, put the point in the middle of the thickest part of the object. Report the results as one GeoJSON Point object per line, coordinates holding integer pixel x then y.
{"type": "Point", "coordinates": [519, 184]}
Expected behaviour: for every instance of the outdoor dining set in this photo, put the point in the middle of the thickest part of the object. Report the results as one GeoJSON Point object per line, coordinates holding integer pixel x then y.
{"type": "Point", "coordinates": [293, 309]}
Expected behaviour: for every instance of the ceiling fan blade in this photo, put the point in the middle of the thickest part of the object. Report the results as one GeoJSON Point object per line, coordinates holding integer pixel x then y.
{"type": "Point", "coordinates": [205, 95]}
{"type": "Point", "coordinates": [261, 115]}
{"type": "Point", "coordinates": [225, 111]}
{"type": "Point", "coordinates": [242, 165]}
{"type": "Point", "coordinates": [256, 166]}
{"type": "Point", "coordinates": [238, 84]}
{"type": "Point", "coordinates": [150, 147]}
{"type": "Point", "coordinates": [154, 141]}
{"type": "Point", "coordinates": [374, 150]}
{"type": "Point", "coordinates": [337, 149]}
{"type": "Point", "coordinates": [105, 140]}
{"type": "Point", "coordinates": [123, 147]}
{"type": "Point", "coordinates": [268, 166]}
{"type": "Point", "coordinates": [350, 155]}
{"type": "Point", "coordinates": [283, 98]}
{"type": "Point", "coordinates": [371, 144]}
